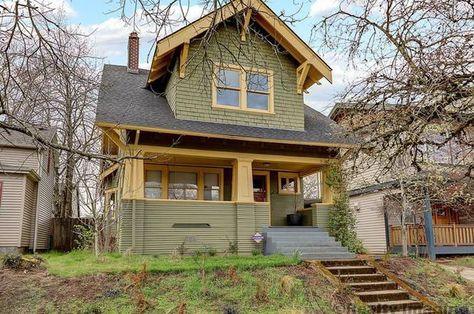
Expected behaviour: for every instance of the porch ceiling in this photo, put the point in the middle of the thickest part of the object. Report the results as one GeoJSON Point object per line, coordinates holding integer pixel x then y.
{"type": "Point", "coordinates": [223, 162]}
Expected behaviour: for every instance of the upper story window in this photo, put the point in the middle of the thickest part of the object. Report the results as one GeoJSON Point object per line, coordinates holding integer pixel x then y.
{"type": "Point", "coordinates": [243, 89]}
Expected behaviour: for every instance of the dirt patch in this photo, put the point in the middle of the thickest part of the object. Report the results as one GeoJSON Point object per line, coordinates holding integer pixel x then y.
{"type": "Point", "coordinates": [448, 289]}
{"type": "Point", "coordinates": [39, 285]}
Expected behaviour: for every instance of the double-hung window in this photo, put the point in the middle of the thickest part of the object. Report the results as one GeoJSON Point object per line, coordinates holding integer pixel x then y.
{"type": "Point", "coordinates": [153, 186]}
{"type": "Point", "coordinates": [183, 183]}
{"type": "Point", "coordinates": [183, 186]}
{"type": "Point", "coordinates": [243, 89]}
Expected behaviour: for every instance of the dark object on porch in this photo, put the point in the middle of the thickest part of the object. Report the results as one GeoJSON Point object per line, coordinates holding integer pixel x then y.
{"type": "Point", "coordinates": [294, 219]}
{"type": "Point", "coordinates": [63, 235]}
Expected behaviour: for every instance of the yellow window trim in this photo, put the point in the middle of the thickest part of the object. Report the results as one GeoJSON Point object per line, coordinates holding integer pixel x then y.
{"type": "Point", "coordinates": [289, 175]}
{"type": "Point", "coordinates": [243, 89]}
{"type": "Point", "coordinates": [200, 171]}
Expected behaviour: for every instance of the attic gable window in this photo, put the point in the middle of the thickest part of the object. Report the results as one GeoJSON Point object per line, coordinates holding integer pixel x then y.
{"type": "Point", "coordinates": [241, 88]}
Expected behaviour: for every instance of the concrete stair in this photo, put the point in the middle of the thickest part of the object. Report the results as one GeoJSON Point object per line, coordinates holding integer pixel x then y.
{"type": "Point", "coordinates": [308, 242]}
{"type": "Point", "coordinates": [373, 287]}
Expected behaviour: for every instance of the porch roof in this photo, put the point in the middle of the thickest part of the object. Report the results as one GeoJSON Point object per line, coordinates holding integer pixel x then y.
{"type": "Point", "coordinates": [124, 102]}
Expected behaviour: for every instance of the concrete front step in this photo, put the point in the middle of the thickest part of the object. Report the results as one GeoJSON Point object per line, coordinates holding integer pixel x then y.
{"type": "Point", "coordinates": [372, 286]}
{"type": "Point", "coordinates": [346, 270]}
{"type": "Point", "coordinates": [290, 242]}
{"type": "Point", "coordinates": [383, 295]}
{"type": "Point", "coordinates": [392, 306]}
{"type": "Point", "coordinates": [311, 250]}
{"type": "Point", "coordinates": [296, 236]}
{"type": "Point", "coordinates": [292, 229]}
{"type": "Point", "coordinates": [327, 256]}
{"type": "Point", "coordinates": [362, 278]}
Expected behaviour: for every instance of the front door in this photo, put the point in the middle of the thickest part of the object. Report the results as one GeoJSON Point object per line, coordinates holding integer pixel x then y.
{"type": "Point", "coordinates": [260, 188]}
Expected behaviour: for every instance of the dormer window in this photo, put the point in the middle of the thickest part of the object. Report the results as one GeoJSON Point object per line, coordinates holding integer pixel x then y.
{"type": "Point", "coordinates": [241, 88]}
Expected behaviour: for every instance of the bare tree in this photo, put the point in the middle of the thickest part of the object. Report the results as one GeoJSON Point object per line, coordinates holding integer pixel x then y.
{"type": "Point", "coordinates": [418, 83]}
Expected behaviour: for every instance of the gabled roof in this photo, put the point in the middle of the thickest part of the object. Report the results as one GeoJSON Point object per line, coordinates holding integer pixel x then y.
{"type": "Point", "coordinates": [265, 17]}
{"type": "Point", "coordinates": [10, 138]}
{"type": "Point", "coordinates": [124, 103]}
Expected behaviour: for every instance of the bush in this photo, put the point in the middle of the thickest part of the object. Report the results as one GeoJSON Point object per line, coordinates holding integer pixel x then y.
{"type": "Point", "coordinates": [84, 239]}
{"type": "Point", "coordinates": [257, 252]}
{"type": "Point", "coordinates": [233, 247]}
{"type": "Point", "coordinates": [17, 261]}
{"type": "Point", "coordinates": [341, 220]}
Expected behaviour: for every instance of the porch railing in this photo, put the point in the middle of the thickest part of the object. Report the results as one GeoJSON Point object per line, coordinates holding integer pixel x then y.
{"type": "Point", "coordinates": [444, 235]}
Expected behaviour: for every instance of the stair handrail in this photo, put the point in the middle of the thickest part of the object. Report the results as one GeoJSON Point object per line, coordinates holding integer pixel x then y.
{"type": "Point", "coordinates": [423, 299]}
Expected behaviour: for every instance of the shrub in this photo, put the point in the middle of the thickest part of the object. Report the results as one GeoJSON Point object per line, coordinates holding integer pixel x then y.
{"type": "Point", "coordinates": [17, 261]}
{"type": "Point", "coordinates": [341, 220]}
{"type": "Point", "coordinates": [233, 247]}
{"type": "Point", "coordinates": [84, 239]}
{"type": "Point", "coordinates": [12, 261]}
{"type": "Point", "coordinates": [256, 252]}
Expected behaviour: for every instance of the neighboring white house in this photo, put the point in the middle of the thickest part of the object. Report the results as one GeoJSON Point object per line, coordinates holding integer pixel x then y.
{"type": "Point", "coordinates": [26, 191]}
{"type": "Point", "coordinates": [371, 191]}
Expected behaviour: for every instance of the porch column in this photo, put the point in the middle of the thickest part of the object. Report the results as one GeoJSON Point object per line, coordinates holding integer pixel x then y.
{"type": "Point", "coordinates": [242, 181]}
{"type": "Point", "coordinates": [133, 177]}
{"type": "Point", "coordinates": [242, 194]}
{"type": "Point", "coordinates": [327, 194]}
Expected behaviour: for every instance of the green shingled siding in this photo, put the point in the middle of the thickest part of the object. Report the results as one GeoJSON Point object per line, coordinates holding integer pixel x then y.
{"type": "Point", "coordinates": [154, 220]}
{"type": "Point", "coordinates": [191, 99]}
{"type": "Point", "coordinates": [171, 88]}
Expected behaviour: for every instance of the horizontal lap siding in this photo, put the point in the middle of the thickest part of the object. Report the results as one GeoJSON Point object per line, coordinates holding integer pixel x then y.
{"type": "Point", "coordinates": [370, 223]}
{"type": "Point", "coordinates": [29, 211]}
{"type": "Point", "coordinates": [262, 216]}
{"type": "Point", "coordinates": [10, 209]}
{"type": "Point", "coordinates": [45, 202]}
{"type": "Point", "coordinates": [19, 157]}
{"type": "Point", "coordinates": [154, 232]}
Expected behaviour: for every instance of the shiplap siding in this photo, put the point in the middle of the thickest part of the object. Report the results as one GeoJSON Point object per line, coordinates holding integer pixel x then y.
{"type": "Point", "coordinates": [150, 229]}
{"type": "Point", "coordinates": [10, 209]}
{"type": "Point", "coordinates": [19, 157]}
{"type": "Point", "coordinates": [29, 213]}
{"type": "Point", "coordinates": [45, 201]}
{"type": "Point", "coordinates": [370, 221]}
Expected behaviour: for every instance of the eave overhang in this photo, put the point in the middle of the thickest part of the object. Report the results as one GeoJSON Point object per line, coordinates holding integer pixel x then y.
{"type": "Point", "coordinates": [266, 18]}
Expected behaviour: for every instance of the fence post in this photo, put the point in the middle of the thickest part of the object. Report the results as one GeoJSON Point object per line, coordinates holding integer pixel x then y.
{"type": "Point", "coordinates": [428, 216]}
{"type": "Point", "coordinates": [455, 235]}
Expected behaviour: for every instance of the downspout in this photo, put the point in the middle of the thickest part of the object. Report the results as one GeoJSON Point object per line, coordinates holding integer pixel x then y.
{"type": "Point", "coordinates": [40, 174]}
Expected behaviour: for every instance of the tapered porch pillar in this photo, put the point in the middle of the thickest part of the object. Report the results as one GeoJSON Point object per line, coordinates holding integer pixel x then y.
{"type": "Point", "coordinates": [327, 194]}
{"type": "Point", "coordinates": [242, 181]}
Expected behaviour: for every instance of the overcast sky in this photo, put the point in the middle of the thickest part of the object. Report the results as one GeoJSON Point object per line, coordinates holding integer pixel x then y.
{"type": "Point", "coordinates": [110, 34]}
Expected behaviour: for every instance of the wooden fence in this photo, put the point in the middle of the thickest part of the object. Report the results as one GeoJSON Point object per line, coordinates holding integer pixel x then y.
{"type": "Point", "coordinates": [64, 237]}
{"type": "Point", "coordinates": [444, 235]}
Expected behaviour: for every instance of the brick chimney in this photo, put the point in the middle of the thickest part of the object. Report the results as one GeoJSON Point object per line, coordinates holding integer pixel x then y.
{"type": "Point", "coordinates": [133, 52]}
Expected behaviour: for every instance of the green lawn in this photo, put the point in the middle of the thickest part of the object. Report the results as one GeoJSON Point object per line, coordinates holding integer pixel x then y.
{"type": "Point", "coordinates": [81, 263]}
{"type": "Point", "coordinates": [223, 284]}
{"type": "Point", "coordinates": [464, 261]}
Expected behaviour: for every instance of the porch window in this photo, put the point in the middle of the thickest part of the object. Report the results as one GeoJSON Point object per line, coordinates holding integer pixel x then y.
{"type": "Point", "coordinates": [288, 183]}
{"type": "Point", "coordinates": [153, 186]}
{"type": "Point", "coordinates": [211, 187]}
{"type": "Point", "coordinates": [182, 186]}
{"type": "Point", "coordinates": [243, 88]}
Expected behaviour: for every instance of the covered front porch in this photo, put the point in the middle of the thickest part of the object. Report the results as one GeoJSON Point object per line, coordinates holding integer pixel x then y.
{"type": "Point", "coordinates": [177, 199]}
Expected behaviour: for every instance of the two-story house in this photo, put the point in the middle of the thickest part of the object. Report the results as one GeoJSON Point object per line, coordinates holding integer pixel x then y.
{"type": "Point", "coordinates": [375, 195]}
{"type": "Point", "coordinates": [26, 191]}
{"type": "Point", "coordinates": [220, 131]}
